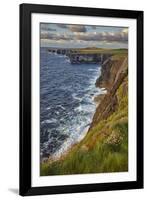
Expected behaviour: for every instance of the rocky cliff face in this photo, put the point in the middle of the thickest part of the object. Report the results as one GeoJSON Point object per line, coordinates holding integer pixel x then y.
{"type": "Point", "coordinates": [114, 71]}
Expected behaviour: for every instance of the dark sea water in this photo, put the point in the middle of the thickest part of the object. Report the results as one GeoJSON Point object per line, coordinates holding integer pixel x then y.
{"type": "Point", "coordinates": [66, 102]}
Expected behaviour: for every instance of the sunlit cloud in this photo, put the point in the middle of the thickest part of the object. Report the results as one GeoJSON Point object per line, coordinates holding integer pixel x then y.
{"type": "Point", "coordinates": [77, 28]}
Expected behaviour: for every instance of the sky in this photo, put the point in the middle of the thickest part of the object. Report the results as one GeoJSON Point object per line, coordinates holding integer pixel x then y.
{"type": "Point", "coordinates": [81, 36]}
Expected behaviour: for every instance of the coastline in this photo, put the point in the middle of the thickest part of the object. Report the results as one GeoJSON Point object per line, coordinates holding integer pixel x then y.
{"type": "Point", "coordinates": [66, 147]}
{"type": "Point", "coordinates": [71, 115]}
{"type": "Point", "coordinates": [113, 76]}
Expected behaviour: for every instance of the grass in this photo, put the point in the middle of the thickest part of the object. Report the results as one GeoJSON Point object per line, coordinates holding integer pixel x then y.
{"type": "Point", "coordinates": [103, 51]}
{"type": "Point", "coordinates": [104, 149]}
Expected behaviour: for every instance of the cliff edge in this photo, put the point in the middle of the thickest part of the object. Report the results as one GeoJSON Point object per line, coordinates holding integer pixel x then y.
{"type": "Point", "coordinates": [114, 71]}
{"type": "Point", "coordinates": [105, 147]}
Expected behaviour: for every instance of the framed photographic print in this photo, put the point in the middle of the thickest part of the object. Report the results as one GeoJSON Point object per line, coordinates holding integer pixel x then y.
{"type": "Point", "coordinates": [81, 99]}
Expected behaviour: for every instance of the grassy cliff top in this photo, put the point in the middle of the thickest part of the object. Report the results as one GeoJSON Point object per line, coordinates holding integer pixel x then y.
{"type": "Point", "coordinates": [102, 51]}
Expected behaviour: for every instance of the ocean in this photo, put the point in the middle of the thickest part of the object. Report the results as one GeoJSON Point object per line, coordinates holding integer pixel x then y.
{"type": "Point", "coordinates": [67, 104]}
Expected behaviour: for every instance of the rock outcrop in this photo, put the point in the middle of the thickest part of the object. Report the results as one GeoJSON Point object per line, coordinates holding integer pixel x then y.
{"type": "Point", "coordinates": [114, 71]}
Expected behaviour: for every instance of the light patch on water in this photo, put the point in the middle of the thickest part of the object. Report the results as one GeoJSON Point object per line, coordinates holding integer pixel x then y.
{"type": "Point", "coordinates": [75, 138]}
{"type": "Point", "coordinates": [60, 106]}
{"type": "Point", "coordinates": [48, 121]}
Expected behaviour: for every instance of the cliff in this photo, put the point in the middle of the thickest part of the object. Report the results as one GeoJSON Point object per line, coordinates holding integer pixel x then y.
{"type": "Point", "coordinates": [105, 147]}
{"type": "Point", "coordinates": [114, 71]}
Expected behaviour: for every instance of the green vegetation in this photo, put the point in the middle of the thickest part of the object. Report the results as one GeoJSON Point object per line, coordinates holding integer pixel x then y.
{"type": "Point", "coordinates": [102, 51]}
{"type": "Point", "coordinates": [105, 147]}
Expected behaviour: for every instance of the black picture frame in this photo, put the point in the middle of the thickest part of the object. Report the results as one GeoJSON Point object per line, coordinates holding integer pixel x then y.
{"type": "Point", "coordinates": [25, 187]}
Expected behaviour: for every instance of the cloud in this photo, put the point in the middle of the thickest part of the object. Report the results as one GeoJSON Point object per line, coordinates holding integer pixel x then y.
{"type": "Point", "coordinates": [55, 36]}
{"type": "Point", "coordinates": [125, 30]}
{"type": "Point", "coordinates": [121, 36]}
{"type": "Point", "coordinates": [73, 28]}
{"type": "Point", "coordinates": [77, 28]}
{"type": "Point", "coordinates": [92, 27]}
{"type": "Point", "coordinates": [51, 29]}
{"type": "Point", "coordinates": [45, 27]}
{"type": "Point", "coordinates": [104, 36]}
{"type": "Point", "coordinates": [61, 25]}
{"type": "Point", "coordinates": [47, 35]}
